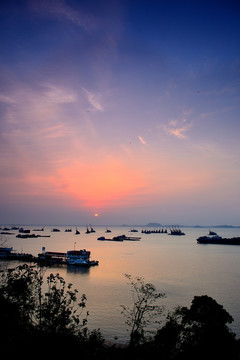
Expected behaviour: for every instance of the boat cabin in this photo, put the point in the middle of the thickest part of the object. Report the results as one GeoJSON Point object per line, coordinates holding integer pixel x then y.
{"type": "Point", "coordinates": [78, 254]}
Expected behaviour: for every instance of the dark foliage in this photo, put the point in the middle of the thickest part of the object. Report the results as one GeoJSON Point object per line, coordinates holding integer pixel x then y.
{"type": "Point", "coordinates": [200, 332]}
{"type": "Point", "coordinates": [54, 325]}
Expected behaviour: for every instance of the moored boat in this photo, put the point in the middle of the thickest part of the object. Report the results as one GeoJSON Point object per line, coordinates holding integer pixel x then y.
{"type": "Point", "coordinates": [24, 231]}
{"type": "Point", "coordinates": [120, 238]}
{"type": "Point", "coordinates": [176, 231]}
{"type": "Point", "coordinates": [212, 232]}
{"type": "Point", "coordinates": [80, 258]}
{"type": "Point", "coordinates": [130, 238]}
{"type": "Point", "coordinates": [5, 251]}
{"type": "Point", "coordinates": [216, 239]}
{"type": "Point", "coordinates": [89, 231]}
{"type": "Point", "coordinates": [133, 230]}
{"type": "Point", "coordinates": [71, 257]}
{"type": "Point", "coordinates": [116, 238]}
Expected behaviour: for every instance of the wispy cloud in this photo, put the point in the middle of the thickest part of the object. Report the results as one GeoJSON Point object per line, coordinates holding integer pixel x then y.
{"type": "Point", "coordinates": [177, 127]}
{"type": "Point", "coordinates": [32, 119]}
{"type": "Point", "coordinates": [6, 99]}
{"type": "Point", "coordinates": [142, 140]}
{"type": "Point", "coordinates": [93, 99]}
{"type": "Point", "coordinates": [59, 95]}
{"type": "Point", "coordinates": [59, 10]}
{"type": "Point", "coordinates": [178, 132]}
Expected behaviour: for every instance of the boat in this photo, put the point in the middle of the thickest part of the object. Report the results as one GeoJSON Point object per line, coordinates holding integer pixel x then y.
{"type": "Point", "coordinates": [77, 232]}
{"type": "Point", "coordinates": [80, 258]}
{"type": "Point", "coordinates": [107, 230]}
{"type": "Point", "coordinates": [176, 231]}
{"type": "Point", "coordinates": [68, 230]}
{"type": "Point", "coordinates": [25, 231]}
{"type": "Point", "coordinates": [25, 236]}
{"type": "Point", "coordinates": [71, 257]}
{"type": "Point", "coordinates": [10, 254]}
{"type": "Point", "coordinates": [155, 231]}
{"type": "Point", "coordinates": [5, 252]}
{"type": "Point", "coordinates": [91, 230]}
{"type": "Point", "coordinates": [120, 238]}
{"type": "Point", "coordinates": [216, 239]}
{"type": "Point", "coordinates": [212, 232]}
{"type": "Point", "coordinates": [55, 230]}
{"type": "Point", "coordinates": [129, 238]}
{"type": "Point", "coordinates": [133, 230]}
{"type": "Point", "coordinates": [116, 238]}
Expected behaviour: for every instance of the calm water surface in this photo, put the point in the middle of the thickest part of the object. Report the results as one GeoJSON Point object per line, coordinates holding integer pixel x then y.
{"type": "Point", "coordinates": [176, 265]}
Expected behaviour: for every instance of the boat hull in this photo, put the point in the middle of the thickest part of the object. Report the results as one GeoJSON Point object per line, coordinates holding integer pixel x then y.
{"type": "Point", "coordinates": [83, 263]}
{"type": "Point", "coordinates": [219, 240]}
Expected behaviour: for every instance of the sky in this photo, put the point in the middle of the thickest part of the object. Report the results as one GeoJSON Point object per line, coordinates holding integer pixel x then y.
{"type": "Point", "coordinates": [120, 112]}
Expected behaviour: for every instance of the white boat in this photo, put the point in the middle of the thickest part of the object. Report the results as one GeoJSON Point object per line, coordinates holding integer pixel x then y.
{"type": "Point", "coordinates": [80, 258]}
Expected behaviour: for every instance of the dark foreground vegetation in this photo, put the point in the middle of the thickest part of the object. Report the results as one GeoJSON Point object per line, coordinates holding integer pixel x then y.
{"type": "Point", "coordinates": [50, 319]}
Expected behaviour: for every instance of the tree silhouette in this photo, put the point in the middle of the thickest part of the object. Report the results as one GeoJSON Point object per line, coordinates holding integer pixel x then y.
{"type": "Point", "coordinates": [199, 332]}
{"type": "Point", "coordinates": [144, 309]}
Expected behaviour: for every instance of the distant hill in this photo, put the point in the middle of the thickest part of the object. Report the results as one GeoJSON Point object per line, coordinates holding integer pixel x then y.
{"type": "Point", "coordinates": [153, 224]}
{"type": "Point", "coordinates": [226, 226]}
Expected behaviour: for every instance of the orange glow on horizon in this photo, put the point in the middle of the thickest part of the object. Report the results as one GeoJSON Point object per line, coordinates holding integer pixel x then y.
{"type": "Point", "coordinates": [100, 185]}
{"type": "Point", "coordinates": [113, 183]}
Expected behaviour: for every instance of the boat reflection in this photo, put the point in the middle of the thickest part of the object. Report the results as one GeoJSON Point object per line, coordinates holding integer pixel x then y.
{"type": "Point", "coordinates": [82, 270]}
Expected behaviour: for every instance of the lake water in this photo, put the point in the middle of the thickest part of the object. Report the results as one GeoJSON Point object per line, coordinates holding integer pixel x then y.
{"type": "Point", "coordinates": [176, 265]}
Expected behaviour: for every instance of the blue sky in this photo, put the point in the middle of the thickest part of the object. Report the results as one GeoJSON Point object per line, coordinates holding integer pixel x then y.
{"type": "Point", "coordinates": [128, 109]}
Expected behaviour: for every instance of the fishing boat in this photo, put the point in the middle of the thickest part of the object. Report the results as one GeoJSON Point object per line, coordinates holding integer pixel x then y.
{"type": "Point", "coordinates": [91, 230]}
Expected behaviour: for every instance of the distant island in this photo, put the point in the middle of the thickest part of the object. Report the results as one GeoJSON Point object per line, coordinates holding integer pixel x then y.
{"type": "Point", "coordinates": [155, 224]}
